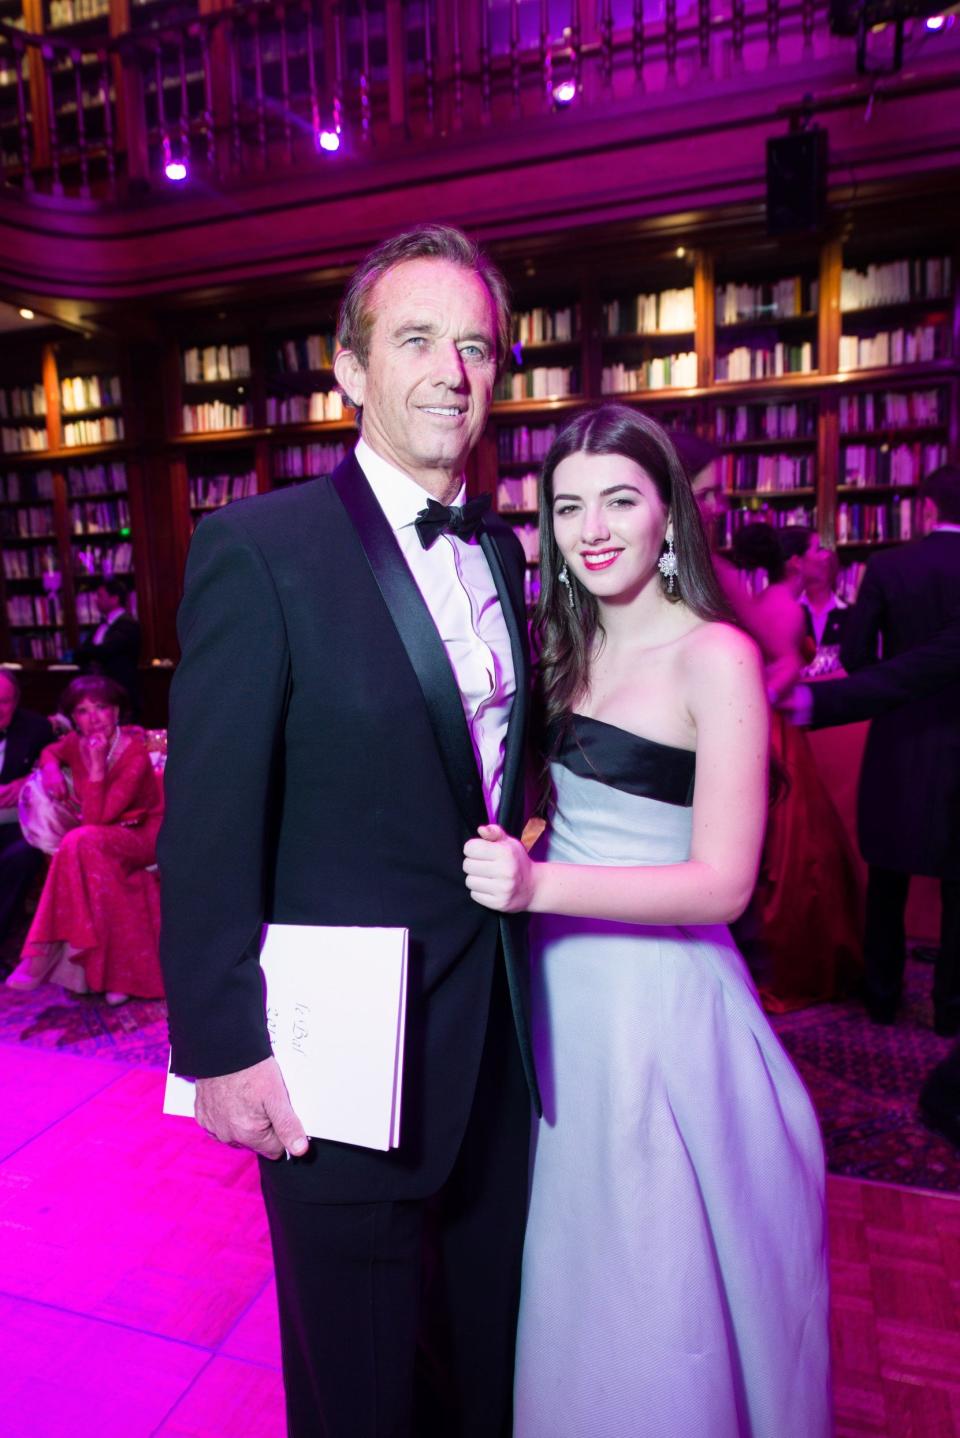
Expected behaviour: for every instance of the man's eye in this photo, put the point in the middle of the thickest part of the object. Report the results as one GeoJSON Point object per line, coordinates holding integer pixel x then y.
{"type": "Point", "coordinates": [473, 352]}
{"type": "Point", "coordinates": [417, 340]}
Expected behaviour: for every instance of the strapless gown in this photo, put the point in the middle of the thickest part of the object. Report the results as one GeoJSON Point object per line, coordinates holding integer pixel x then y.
{"type": "Point", "coordinates": [675, 1267]}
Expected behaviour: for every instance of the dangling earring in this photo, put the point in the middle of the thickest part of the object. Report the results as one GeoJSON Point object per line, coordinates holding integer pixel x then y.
{"type": "Point", "coordinates": [567, 582]}
{"type": "Point", "coordinates": [667, 565]}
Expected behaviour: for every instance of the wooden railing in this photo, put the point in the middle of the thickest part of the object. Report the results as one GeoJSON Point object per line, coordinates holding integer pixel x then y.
{"type": "Point", "coordinates": [268, 85]}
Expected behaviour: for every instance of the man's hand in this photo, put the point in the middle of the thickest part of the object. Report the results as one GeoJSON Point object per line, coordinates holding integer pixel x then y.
{"type": "Point", "coordinates": [251, 1109]}
{"type": "Point", "coordinates": [798, 705]}
{"type": "Point", "coordinates": [500, 874]}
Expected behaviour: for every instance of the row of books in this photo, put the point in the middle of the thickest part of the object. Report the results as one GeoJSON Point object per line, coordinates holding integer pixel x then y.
{"type": "Point", "coordinates": [677, 371]}
{"type": "Point", "coordinates": [766, 361]}
{"type": "Point", "coordinates": [777, 472]}
{"type": "Point", "coordinates": [68, 12]}
{"type": "Point", "coordinates": [743, 422]}
{"type": "Point", "coordinates": [35, 646]}
{"type": "Point", "coordinates": [309, 352]}
{"type": "Point", "coordinates": [518, 493]}
{"type": "Point", "coordinates": [216, 362]}
{"type": "Point", "coordinates": [898, 464]}
{"type": "Point", "coordinates": [103, 559]}
{"type": "Point", "coordinates": [781, 299]}
{"type": "Point", "coordinates": [215, 415]}
{"type": "Point", "coordinates": [540, 325]}
{"type": "Point", "coordinates": [23, 440]}
{"type": "Point", "coordinates": [529, 537]}
{"type": "Point", "coordinates": [892, 409]}
{"type": "Point", "coordinates": [87, 609]}
{"type": "Point", "coordinates": [24, 610]}
{"type": "Point", "coordinates": [99, 516]}
{"type": "Point", "coordinates": [211, 491]}
{"type": "Point", "coordinates": [531, 586]}
{"type": "Point", "coordinates": [97, 478]}
{"type": "Point", "coordinates": [305, 408]}
{"type": "Point", "coordinates": [307, 461]}
{"type": "Point", "coordinates": [895, 283]}
{"type": "Point", "coordinates": [23, 402]}
{"type": "Point", "coordinates": [779, 516]}
{"type": "Point", "coordinates": [669, 312]}
{"type": "Point", "coordinates": [848, 580]}
{"type": "Point", "coordinates": [520, 443]}
{"type": "Point", "coordinates": [31, 562]}
{"type": "Point", "coordinates": [19, 487]}
{"type": "Point", "coordinates": [871, 522]}
{"type": "Point", "coordinates": [90, 391]}
{"type": "Point", "coordinates": [920, 345]}
{"type": "Point", "coordinates": [543, 382]}
{"type": "Point", "coordinates": [26, 523]}
{"type": "Point", "coordinates": [108, 429]}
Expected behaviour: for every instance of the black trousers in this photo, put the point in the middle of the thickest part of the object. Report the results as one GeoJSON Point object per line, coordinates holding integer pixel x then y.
{"type": "Point", "coordinates": [18, 864]}
{"type": "Point", "coordinates": [398, 1319]}
{"type": "Point", "coordinates": [885, 944]}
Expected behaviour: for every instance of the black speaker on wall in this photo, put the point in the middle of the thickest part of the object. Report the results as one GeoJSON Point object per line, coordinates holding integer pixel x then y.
{"type": "Point", "coordinates": [797, 182]}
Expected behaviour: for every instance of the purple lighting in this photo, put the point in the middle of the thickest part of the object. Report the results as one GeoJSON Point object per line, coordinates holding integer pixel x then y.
{"type": "Point", "coordinates": [936, 22]}
{"type": "Point", "coordinates": [565, 92]}
{"type": "Point", "coordinates": [175, 170]}
{"type": "Point", "coordinates": [329, 140]}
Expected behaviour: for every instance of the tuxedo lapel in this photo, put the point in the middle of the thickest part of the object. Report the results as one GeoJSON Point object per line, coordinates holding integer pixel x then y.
{"type": "Point", "coordinates": [419, 637]}
{"type": "Point", "coordinates": [514, 614]}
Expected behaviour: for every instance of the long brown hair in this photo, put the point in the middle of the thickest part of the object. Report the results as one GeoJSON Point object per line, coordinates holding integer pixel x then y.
{"type": "Point", "coordinates": [566, 633]}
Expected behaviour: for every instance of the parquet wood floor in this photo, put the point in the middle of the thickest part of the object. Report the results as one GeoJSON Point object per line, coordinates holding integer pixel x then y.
{"type": "Point", "coordinates": [136, 1299]}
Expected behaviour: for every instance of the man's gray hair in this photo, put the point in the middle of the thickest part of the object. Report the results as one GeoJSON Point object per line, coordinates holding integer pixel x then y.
{"type": "Point", "coordinates": [424, 242]}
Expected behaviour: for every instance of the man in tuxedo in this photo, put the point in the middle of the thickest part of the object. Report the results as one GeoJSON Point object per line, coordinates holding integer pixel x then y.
{"type": "Point", "coordinates": [909, 797]}
{"type": "Point", "coordinates": [349, 707]}
{"type": "Point", "coordinates": [22, 736]}
{"type": "Point", "coordinates": [113, 647]}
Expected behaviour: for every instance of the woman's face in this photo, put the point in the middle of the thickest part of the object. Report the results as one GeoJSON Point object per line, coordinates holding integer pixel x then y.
{"type": "Point", "coordinates": [609, 523]}
{"type": "Point", "coordinates": [95, 716]}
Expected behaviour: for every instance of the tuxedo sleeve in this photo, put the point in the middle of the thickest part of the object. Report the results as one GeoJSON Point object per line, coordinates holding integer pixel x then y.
{"type": "Point", "coordinates": [881, 687]}
{"type": "Point", "coordinates": [227, 705]}
{"type": "Point", "coordinates": [859, 646]}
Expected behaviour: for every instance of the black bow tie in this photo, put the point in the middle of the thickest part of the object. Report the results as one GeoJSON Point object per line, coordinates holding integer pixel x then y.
{"type": "Point", "coordinates": [463, 520]}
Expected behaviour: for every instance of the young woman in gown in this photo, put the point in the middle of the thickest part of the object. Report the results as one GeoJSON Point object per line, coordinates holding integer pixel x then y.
{"type": "Point", "coordinates": [674, 1273]}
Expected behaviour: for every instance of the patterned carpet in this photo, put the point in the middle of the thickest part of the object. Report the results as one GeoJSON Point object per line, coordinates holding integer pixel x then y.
{"type": "Point", "coordinates": [863, 1079]}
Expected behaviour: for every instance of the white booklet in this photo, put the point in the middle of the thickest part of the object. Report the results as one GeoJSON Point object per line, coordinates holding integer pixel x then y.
{"type": "Point", "coordinates": [336, 1009]}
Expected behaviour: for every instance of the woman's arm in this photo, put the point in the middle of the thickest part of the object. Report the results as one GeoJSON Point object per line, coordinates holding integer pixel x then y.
{"type": "Point", "coordinates": [123, 790]}
{"type": "Point", "coordinates": [725, 696]}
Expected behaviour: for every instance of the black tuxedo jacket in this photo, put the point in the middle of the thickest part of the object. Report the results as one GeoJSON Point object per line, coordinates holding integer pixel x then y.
{"type": "Point", "coordinates": [909, 804]}
{"type": "Point", "coordinates": [117, 657]}
{"type": "Point", "coordinates": [881, 687]}
{"type": "Point", "coordinates": [28, 734]}
{"type": "Point", "coordinates": [321, 772]}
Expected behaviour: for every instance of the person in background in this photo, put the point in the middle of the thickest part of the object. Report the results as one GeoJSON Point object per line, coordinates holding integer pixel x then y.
{"type": "Point", "coordinates": [808, 894]}
{"type": "Point", "coordinates": [909, 796]}
{"type": "Point", "coordinates": [113, 646]}
{"type": "Point", "coordinates": [97, 925]}
{"type": "Point", "coordinates": [826, 613]}
{"type": "Point", "coordinates": [23, 735]}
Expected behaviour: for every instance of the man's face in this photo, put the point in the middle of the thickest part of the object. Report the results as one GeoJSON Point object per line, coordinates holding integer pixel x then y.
{"type": "Point", "coordinates": [430, 371]}
{"type": "Point", "coordinates": [105, 601]}
{"type": "Point", "coordinates": [710, 494]}
{"type": "Point", "coordinates": [8, 701]}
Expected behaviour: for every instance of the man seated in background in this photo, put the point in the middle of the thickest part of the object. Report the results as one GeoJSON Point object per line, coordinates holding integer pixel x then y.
{"type": "Point", "coordinates": [22, 736]}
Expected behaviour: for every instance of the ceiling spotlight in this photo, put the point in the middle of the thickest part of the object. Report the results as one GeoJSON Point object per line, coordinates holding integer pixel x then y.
{"type": "Point", "coordinates": [175, 170]}
{"type": "Point", "coordinates": [26, 314]}
{"type": "Point", "coordinates": [681, 251]}
{"type": "Point", "coordinates": [565, 92]}
{"type": "Point", "coordinates": [329, 140]}
{"type": "Point", "coordinates": [936, 22]}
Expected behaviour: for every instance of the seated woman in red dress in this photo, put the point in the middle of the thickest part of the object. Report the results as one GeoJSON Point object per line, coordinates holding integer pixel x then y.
{"type": "Point", "coordinates": [97, 925]}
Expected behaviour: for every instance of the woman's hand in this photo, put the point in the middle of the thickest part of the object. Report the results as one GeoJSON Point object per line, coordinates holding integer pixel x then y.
{"type": "Point", "coordinates": [94, 750]}
{"type": "Point", "coordinates": [500, 874]}
{"type": "Point", "coordinates": [53, 782]}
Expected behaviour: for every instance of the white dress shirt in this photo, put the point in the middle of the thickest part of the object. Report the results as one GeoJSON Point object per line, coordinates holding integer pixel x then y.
{"type": "Point", "coordinates": [455, 580]}
{"type": "Point", "coordinates": [100, 633]}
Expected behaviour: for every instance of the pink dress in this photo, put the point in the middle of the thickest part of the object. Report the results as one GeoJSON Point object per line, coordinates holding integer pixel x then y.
{"type": "Point", "coordinates": [98, 923]}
